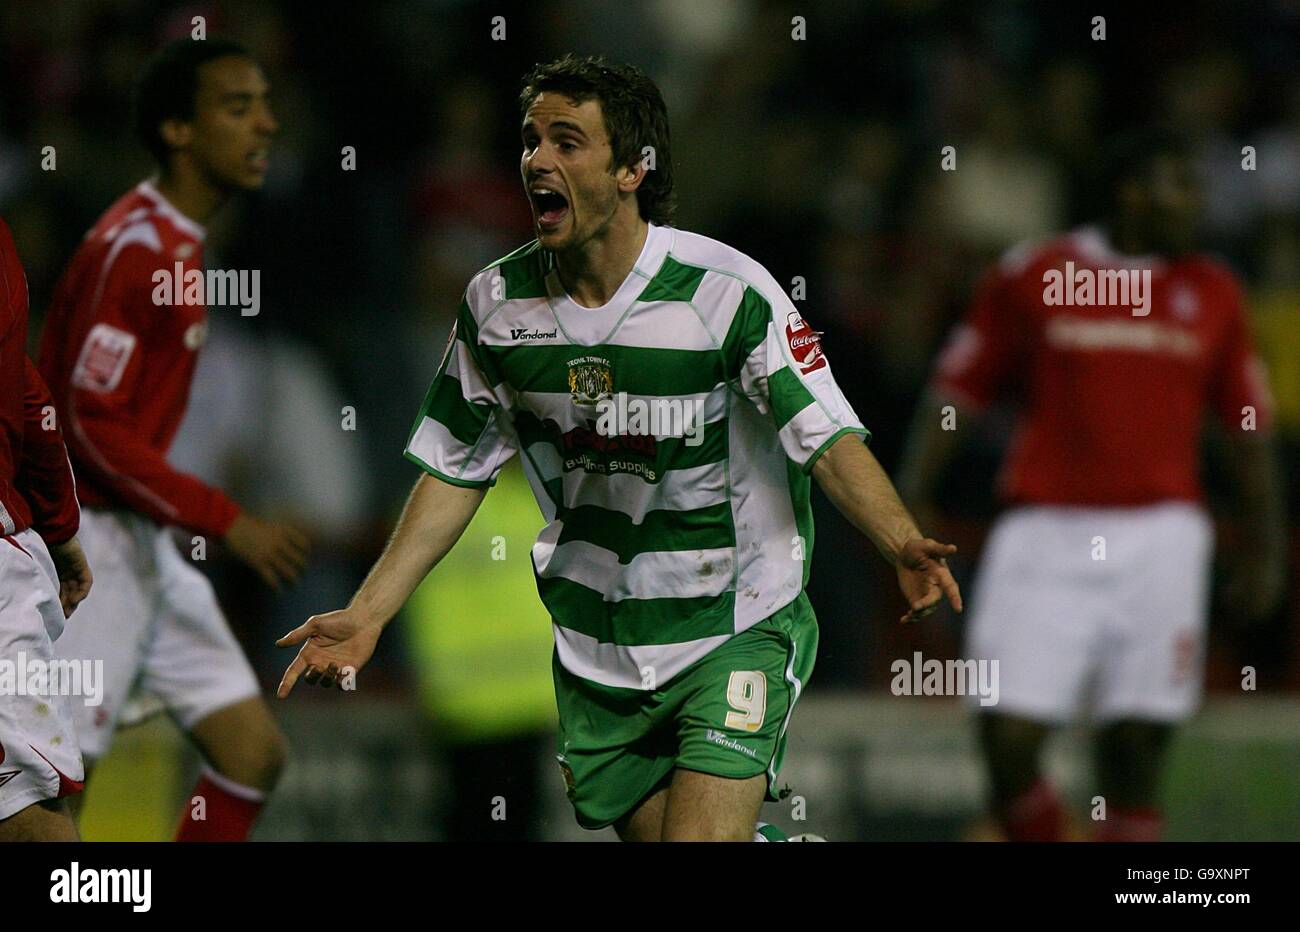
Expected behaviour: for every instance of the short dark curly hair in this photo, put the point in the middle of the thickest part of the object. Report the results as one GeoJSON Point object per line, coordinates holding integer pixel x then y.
{"type": "Point", "coordinates": [168, 85]}
{"type": "Point", "coordinates": [1130, 156]}
{"type": "Point", "coordinates": [635, 117]}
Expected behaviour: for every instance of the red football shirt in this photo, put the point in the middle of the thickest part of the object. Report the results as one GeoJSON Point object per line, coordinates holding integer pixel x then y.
{"type": "Point", "coordinates": [1111, 402]}
{"type": "Point", "coordinates": [36, 485]}
{"type": "Point", "coordinates": [120, 365]}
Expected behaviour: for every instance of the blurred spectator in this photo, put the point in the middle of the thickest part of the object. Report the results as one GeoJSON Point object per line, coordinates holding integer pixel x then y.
{"type": "Point", "coordinates": [480, 646]}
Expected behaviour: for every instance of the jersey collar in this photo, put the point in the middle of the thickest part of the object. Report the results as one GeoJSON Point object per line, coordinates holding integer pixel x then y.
{"type": "Point", "coordinates": [170, 211]}
{"type": "Point", "coordinates": [574, 318]}
{"type": "Point", "coordinates": [1093, 243]}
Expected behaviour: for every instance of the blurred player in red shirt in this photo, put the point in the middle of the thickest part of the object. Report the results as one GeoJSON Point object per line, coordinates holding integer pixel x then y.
{"type": "Point", "coordinates": [1093, 586]}
{"type": "Point", "coordinates": [119, 360]}
{"type": "Point", "coordinates": [43, 577]}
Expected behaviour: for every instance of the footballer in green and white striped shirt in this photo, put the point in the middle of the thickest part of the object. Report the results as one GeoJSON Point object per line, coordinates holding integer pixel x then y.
{"type": "Point", "coordinates": [670, 407]}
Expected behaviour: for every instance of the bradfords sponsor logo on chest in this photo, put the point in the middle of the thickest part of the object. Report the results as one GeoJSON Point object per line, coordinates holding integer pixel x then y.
{"type": "Point", "coordinates": [591, 385]}
{"type": "Point", "coordinates": [805, 343]}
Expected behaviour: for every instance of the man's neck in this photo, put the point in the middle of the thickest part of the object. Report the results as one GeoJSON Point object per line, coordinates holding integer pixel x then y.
{"type": "Point", "coordinates": [191, 194]}
{"type": "Point", "coordinates": [1125, 239]}
{"type": "Point", "coordinates": [593, 272]}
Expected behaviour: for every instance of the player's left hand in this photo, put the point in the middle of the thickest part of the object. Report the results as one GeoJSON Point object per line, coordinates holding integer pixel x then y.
{"type": "Point", "coordinates": [74, 575]}
{"type": "Point", "coordinates": [334, 646]}
{"type": "Point", "coordinates": [924, 577]}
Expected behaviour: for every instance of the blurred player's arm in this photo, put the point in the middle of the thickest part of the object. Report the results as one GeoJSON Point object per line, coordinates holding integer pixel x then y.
{"type": "Point", "coordinates": [45, 480]}
{"type": "Point", "coordinates": [856, 484]}
{"type": "Point", "coordinates": [1243, 404]}
{"type": "Point", "coordinates": [42, 475]}
{"type": "Point", "coordinates": [110, 445]}
{"type": "Point", "coordinates": [45, 475]}
{"type": "Point", "coordinates": [1257, 572]}
{"type": "Point", "coordinates": [980, 357]}
{"type": "Point", "coordinates": [102, 429]}
{"type": "Point", "coordinates": [435, 516]}
{"type": "Point", "coordinates": [931, 447]}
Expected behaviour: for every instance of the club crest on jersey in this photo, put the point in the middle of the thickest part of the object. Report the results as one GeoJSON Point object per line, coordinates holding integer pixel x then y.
{"type": "Point", "coordinates": [805, 343]}
{"type": "Point", "coordinates": [103, 358]}
{"type": "Point", "coordinates": [590, 379]}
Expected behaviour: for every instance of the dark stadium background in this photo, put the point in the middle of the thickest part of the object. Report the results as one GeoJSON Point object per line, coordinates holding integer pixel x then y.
{"type": "Point", "coordinates": [820, 158]}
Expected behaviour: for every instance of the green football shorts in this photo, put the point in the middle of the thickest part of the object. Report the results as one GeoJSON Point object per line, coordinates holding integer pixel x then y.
{"type": "Point", "coordinates": [726, 714]}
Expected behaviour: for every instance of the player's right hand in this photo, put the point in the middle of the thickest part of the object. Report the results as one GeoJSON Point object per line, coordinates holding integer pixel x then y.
{"type": "Point", "coordinates": [277, 552]}
{"type": "Point", "coordinates": [334, 645]}
{"type": "Point", "coordinates": [924, 577]}
{"type": "Point", "coordinates": [74, 574]}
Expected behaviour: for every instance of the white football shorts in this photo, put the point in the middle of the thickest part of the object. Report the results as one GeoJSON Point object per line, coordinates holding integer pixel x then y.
{"type": "Point", "coordinates": [39, 758]}
{"type": "Point", "coordinates": [1101, 609]}
{"type": "Point", "coordinates": [153, 619]}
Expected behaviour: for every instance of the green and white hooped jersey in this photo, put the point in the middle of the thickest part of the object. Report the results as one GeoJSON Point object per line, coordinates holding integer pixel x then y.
{"type": "Point", "coordinates": [668, 437]}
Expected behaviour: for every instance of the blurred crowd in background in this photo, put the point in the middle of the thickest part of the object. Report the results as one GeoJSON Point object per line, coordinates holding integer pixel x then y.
{"type": "Point", "coordinates": [819, 157]}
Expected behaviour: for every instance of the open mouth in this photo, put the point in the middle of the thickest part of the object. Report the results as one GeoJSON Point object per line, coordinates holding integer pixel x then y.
{"type": "Point", "coordinates": [258, 159]}
{"type": "Point", "coordinates": [551, 207]}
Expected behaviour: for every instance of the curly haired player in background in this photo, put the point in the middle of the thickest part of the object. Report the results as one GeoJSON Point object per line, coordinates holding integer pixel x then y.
{"type": "Point", "coordinates": [1113, 394]}
{"type": "Point", "coordinates": [120, 367]}
{"type": "Point", "coordinates": [675, 556]}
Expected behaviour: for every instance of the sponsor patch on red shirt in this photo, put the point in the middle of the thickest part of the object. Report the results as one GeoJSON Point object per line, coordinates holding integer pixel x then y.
{"type": "Point", "coordinates": [805, 344]}
{"type": "Point", "coordinates": [103, 358]}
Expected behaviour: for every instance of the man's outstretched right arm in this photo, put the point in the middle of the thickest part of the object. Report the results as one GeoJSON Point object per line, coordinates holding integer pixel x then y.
{"type": "Point", "coordinates": [342, 642]}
